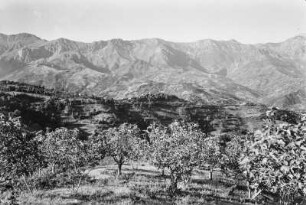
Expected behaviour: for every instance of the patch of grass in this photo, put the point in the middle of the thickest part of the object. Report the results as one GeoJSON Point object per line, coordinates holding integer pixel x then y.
{"type": "Point", "coordinates": [139, 186]}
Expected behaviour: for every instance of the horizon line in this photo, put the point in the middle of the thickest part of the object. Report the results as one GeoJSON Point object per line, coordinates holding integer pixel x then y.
{"type": "Point", "coordinates": [156, 38]}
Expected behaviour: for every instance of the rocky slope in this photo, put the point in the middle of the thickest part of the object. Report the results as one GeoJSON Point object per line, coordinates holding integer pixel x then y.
{"type": "Point", "coordinates": [208, 71]}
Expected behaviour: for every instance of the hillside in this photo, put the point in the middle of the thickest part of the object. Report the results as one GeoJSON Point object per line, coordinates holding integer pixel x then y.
{"type": "Point", "coordinates": [206, 71]}
{"type": "Point", "coordinates": [40, 108]}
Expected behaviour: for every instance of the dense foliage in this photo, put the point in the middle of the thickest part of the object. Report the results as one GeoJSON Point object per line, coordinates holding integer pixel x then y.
{"type": "Point", "coordinates": [62, 149]}
{"type": "Point", "coordinates": [209, 155]}
{"type": "Point", "coordinates": [274, 160]}
{"type": "Point", "coordinates": [176, 148]}
{"type": "Point", "coordinates": [19, 151]}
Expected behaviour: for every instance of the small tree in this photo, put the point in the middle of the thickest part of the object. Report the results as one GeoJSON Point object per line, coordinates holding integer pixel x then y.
{"type": "Point", "coordinates": [122, 143]}
{"type": "Point", "coordinates": [176, 149]}
{"type": "Point", "coordinates": [230, 156]}
{"type": "Point", "coordinates": [63, 150]}
{"type": "Point", "coordinates": [96, 149]}
{"type": "Point", "coordinates": [210, 154]}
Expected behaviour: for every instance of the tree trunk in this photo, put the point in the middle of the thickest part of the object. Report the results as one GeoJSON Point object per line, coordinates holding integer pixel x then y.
{"type": "Point", "coordinates": [256, 193]}
{"type": "Point", "coordinates": [26, 183]}
{"type": "Point", "coordinates": [249, 190]}
{"type": "Point", "coordinates": [173, 185]}
{"type": "Point", "coordinates": [52, 168]}
{"type": "Point", "coordinates": [119, 169]}
{"type": "Point", "coordinates": [211, 174]}
{"type": "Point", "coordinates": [231, 190]}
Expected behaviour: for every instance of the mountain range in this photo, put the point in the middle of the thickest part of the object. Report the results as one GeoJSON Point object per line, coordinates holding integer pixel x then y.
{"type": "Point", "coordinates": [206, 71]}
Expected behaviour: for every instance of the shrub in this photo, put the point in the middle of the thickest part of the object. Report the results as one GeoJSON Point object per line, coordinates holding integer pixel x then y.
{"type": "Point", "coordinates": [19, 151]}
{"type": "Point", "coordinates": [274, 160]}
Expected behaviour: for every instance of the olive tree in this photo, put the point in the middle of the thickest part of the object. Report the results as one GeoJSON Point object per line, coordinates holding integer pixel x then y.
{"type": "Point", "coordinates": [209, 154]}
{"type": "Point", "coordinates": [175, 148]}
{"type": "Point", "coordinates": [230, 156]}
{"type": "Point", "coordinates": [95, 148]}
{"type": "Point", "coordinates": [122, 143]}
{"type": "Point", "coordinates": [63, 150]}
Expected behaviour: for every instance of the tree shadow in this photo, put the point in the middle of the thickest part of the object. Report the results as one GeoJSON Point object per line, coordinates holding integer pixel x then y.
{"type": "Point", "coordinates": [90, 197]}
{"type": "Point", "coordinates": [142, 171]}
{"type": "Point", "coordinates": [214, 182]}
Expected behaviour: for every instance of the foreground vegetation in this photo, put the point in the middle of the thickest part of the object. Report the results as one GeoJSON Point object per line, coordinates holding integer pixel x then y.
{"type": "Point", "coordinates": [178, 163]}
{"type": "Point", "coordinates": [268, 163]}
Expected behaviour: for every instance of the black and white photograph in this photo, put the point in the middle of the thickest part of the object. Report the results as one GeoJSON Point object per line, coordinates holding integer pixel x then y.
{"type": "Point", "coordinates": [153, 102]}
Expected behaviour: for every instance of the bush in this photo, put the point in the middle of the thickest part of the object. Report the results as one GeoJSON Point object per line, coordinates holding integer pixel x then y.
{"type": "Point", "coordinates": [274, 160]}
{"type": "Point", "coordinates": [19, 152]}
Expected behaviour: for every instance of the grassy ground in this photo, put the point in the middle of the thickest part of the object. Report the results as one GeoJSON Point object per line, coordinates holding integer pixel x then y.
{"type": "Point", "coordinates": [139, 184]}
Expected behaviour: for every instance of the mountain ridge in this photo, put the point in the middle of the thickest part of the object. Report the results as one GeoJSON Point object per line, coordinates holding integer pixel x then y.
{"type": "Point", "coordinates": [209, 71]}
{"type": "Point", "coordinates": [299, 35]}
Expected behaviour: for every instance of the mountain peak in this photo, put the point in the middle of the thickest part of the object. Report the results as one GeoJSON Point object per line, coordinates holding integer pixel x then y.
{"type": "Point", "coordinates": [23, 36]}
{"type": "Point", "coordinates": [66, 41]}
{"type": "Point", "coordinates": [115, 40]}
{"type": "Point", "coordinates": [18, 40]}
{"type": "Point", "coordinates": [300, 37]}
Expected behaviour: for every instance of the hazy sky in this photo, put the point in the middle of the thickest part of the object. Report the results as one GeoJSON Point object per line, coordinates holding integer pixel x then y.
{"type": "Point", "coordinates": [248, 21]}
